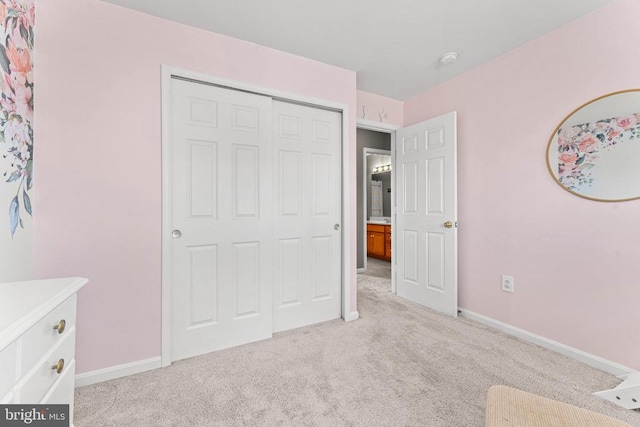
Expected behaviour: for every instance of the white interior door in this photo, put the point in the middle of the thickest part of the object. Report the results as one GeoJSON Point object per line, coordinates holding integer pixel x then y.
{"type": "Point", "coordinates": [307, 211]}
{"type": "Point", "coordinates": [221, 209]}
{"type": "Point", "coordinates": [426, 245]}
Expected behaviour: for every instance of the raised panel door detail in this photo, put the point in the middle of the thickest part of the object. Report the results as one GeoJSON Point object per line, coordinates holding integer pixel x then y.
{"type": "Point", "coordinates": [387, 242]}
{"type": "Point", "coordinates": [289, 274]}
{"type": "Point", "coordinates": [202, 112]}
{"type": "Point", "coordinates": [246, 119]}
{"type": "Point", "coordinates": [435, 186]}
{"type": "Point", "coordinates": [410, 242]}
{"type": "Point", "coordinates": [223, 178]}
{"type": "Point", "coordinates": [290, 127]}
{"type": "Point", "coordinates": [376, 244]}
{"type": "Point", "coordinates": [410, 144]}
{"type": "Point", "coordinates": [376, 240]}
{"type": "Point", "coordinates": [321, 185]}
{"type": "Point", "coordinates": [290, 183]}
{"type": "Point", "coordinates": [435, 261]}
{"type": "Point", "coordinates": [321, 254]}
{"type": "Point", "coordinates": [370, 243]}
{"type": "Point", "coordinates": [435, 138]}
{"type": "Point", "coordinates": [410, 176]}
{"type": "Point", "coordinates": [431, 245]}
{"type": "Point", "coordinates": [203, 187]}
{"type": "Point", "coordinates": [306, 153]}
{"type": "Point", "coordinates": [320, 131]}
{"type": "Point", "coordinates": [246, 189]}
{"type": "Point", "coordinates": [246, 279]}
{"type": "Point", "coordinates": [203, 284]}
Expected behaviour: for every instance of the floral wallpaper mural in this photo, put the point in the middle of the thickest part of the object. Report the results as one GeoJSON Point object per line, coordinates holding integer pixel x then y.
{"type": "Point", "coordinates": [581, 146]}
{"type": "Point", "coordinates": [16, 106]}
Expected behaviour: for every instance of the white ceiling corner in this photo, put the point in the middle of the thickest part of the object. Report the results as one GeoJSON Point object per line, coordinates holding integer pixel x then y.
{"type": "Point", "coordinates": [393, 46]}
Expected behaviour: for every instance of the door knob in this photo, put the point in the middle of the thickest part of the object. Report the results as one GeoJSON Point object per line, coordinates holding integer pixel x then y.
{"type": "Point", "coordinates": [336, 227]}
{"type": "Point", "coordinates": [448, 224]}
{"type": "Point", "coordinates": [176, 234]}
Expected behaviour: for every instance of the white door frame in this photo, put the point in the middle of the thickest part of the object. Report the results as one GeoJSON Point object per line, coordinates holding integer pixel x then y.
{"type": "Point", "coordinates": [391, 130]}
{"type": "Point", "coordinates": [167, 220]}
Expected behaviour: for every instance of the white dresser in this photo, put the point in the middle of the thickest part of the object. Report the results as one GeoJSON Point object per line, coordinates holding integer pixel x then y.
{"type": "Point", "coordinates": [38, 341]}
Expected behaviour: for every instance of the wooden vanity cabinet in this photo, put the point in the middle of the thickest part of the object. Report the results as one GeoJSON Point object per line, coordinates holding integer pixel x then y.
{"type": "Point", "coordinates": [379, 241]}
{"type": "Point", "coordinates": [387, 243]}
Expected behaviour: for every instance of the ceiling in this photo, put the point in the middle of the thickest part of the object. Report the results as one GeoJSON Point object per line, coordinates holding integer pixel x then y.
{"type": "Point", "coordinates": [394, 46]}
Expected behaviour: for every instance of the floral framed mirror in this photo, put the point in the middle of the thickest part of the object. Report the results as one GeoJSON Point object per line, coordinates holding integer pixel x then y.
{"type": "Point", "coordinates": [595, 151]}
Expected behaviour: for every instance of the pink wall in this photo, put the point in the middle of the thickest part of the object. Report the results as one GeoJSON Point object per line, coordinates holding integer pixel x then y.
{"type": "Point", "coordinates": [376, 103]}
{"type": "Point", "coordinates": [98, 158]}
{"type": "Point", "coordinates": [575, 262]}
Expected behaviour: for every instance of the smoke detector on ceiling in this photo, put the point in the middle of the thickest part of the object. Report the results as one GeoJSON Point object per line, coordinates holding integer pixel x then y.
{"type": "Point", "coordinates": [448, 58]}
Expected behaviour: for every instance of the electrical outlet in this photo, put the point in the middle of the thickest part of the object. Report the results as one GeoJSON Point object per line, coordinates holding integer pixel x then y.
{"type": "Point", "coordinates": [508, 284]}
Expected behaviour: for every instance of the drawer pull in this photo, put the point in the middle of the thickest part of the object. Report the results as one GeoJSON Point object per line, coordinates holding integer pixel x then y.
{"type": "Point", "coordinates": [59, 366]}
{"type": "Point", "coordinates": [60, 326]}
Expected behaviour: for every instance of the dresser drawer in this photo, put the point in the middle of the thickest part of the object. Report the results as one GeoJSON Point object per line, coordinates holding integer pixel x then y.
{"type": "Point", "coordinates": [61, 392]}
{"type": "Point", "coordinates": [62, 389]}
{"type": "Point", "coordinates": [30, 345]}
{"type": "Point", "coordinates": [9, 366]}
{"type": "Point", "coordinates": [37, 382]}
{"type": "Point", "coordinates": [42, 337]}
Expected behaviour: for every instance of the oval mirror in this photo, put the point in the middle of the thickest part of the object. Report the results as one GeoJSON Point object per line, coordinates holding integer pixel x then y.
{"type": "Point", "coordinates": [595, 151]}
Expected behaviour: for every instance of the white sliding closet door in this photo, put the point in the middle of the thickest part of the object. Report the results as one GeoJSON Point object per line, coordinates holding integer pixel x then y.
{"type": "Point", "coordinates": [307, 215]}
{"type": "Point", "coordinates": [221, 195]}
{"type": "Point", "coordinates": [255, 190]}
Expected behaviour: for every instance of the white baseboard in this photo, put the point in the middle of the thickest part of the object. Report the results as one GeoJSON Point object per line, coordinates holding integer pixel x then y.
{"type": "Point", "coordinates": [352, 316]}
{"type": "Point", "coordinates": [579, 355]}
{"type": "Point", "coordinates": [118, 371]}
{"type": "Point", "coordinates": [361, 270]}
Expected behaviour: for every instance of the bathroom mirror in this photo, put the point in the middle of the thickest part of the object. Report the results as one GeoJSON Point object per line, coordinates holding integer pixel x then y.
{"type": "Point", "coordinates": [378, 186]}
{"type": "Point", "coordinates": [594, 152]}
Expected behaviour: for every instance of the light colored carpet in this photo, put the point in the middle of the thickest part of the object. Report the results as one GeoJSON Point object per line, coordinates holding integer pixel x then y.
{"type": "Point", "coordinates": [398, 365]}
